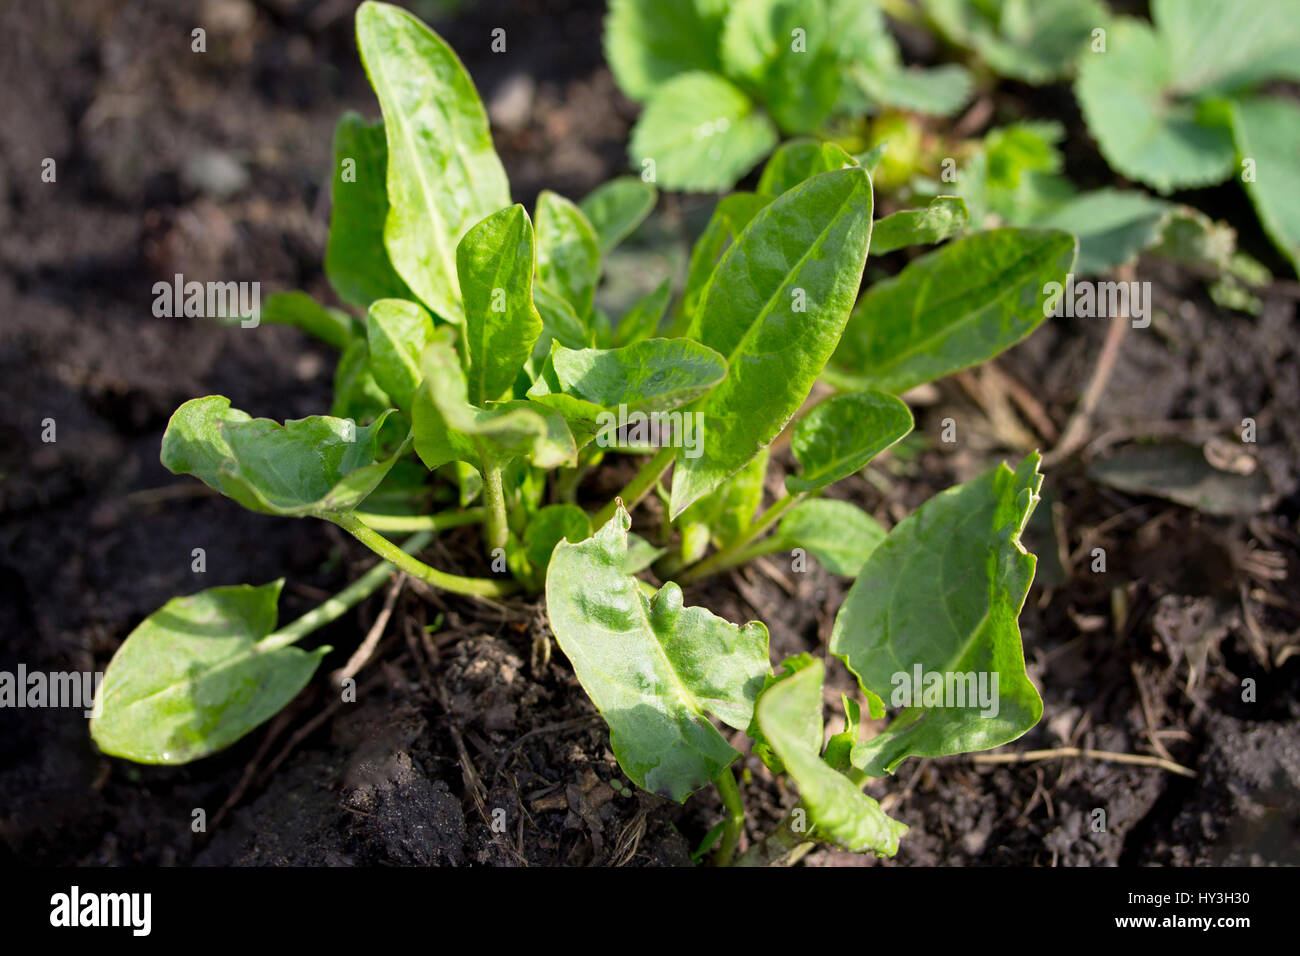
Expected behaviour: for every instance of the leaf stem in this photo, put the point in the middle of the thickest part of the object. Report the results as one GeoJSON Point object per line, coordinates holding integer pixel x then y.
{"type": "Point", "coordinates": [784, 846]}
{"type": "Point", "coordinates": [339, 604]}
{"type": "Point", "coordinates": [739, 551]}
{"type": "Point", "coordinates": [734, 824]}
{"type": "Point", "coordinates": [497, 531]}
{"type": "Point", "coordinates": [441, 521]}
{"type": "Point", "coordinates": [473, 587]}
{"type": "Point", "coordinates": [639, 486]}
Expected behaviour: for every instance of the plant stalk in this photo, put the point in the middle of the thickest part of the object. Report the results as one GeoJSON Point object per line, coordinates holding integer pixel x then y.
{"type": "Point", "coordinates": [473, 587]}
{"type": "Point", "coordinates": [441, 521]}
{"type": "Point", "coordinates": [734, 824]}
{"type": "Point", "coordinates": [339, 604]}
{"type": "Point", "coordinates": [738, 551]}
{"type": "Point", "coordinates": [638, 487]}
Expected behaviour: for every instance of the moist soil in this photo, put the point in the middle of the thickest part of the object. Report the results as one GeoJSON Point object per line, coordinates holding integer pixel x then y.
{"type": "Point", "coordinates": [212, 164]}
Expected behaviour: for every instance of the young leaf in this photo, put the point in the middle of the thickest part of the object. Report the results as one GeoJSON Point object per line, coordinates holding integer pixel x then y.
{"type": "Point", "coordinates": [356, 261]}
{"type": "Point", "coordinates": [838, 437]}
{"type": "Point", "coordinates": [495, 265]}
{"type": "Point", "coordinates": [448, 428]}
{"type": "Point", "coordinates": [642, 320]}
{"type": "Point", "coordinates": [398, 331]}
{"type": "Point", "coordinates": [559, 324]}
{"type": "Point", "coordinates": [730, 510]}
{"type": "Point", "coordinates": [936, 605]}
{"type": "Point", "coordinates": [617, 208]}
{"type": "Point", "coordinates": [952, 308]}
{"type": "Point", "coordinates": [590, 387]}
{"type": "Point", "coordinates": [568, 253]}
{"type": "Point", "coordinates": [443, 174]}
{"type": "Point", "coordinates": [648, 42]}
{"type": "Point", "coordinates": [192, 679]}
{"type": "Point", "coordinates": [653, 667]}
{"type": "Point", "coordinates": [331, 326]}
{"type": "Point", "coordinates": [310, 466]}
{"type": "Point", "coordinates": [789, 715]}
{"type": "Point", "coordinates": [775, 307]}
{"type": "Point", "coordinates": [701, 132]}
{"type": "Point", "coordinates": [356, 393]}
{"type": "Point", "coordinates": [797, 160]}
{"type": "Point", "coordinates": [550, 526]}
{"type": "Point", "coordinates": [945, 216]}
{"type": "Point", "coordinates": [1267, 130]}
{"type": "Point", "coordinates": [840, 535]}
{"type": "Point", "coordinates": [730, 217]}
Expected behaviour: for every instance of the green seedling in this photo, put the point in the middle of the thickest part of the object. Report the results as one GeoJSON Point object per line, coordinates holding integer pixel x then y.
{"type": "Point", "coordinates": [475, 370]}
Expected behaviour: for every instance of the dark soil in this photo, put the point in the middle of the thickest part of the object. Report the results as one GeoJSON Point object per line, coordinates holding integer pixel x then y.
{"type": "Point", "coordinates": [212, 165]}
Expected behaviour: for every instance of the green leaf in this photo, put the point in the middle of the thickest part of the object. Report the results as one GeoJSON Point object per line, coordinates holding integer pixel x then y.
{"type": "Point", "coordinates": [568, 252]}
{"type": "Point", "coordinates": [840, 535]}
{"type": "Point", "coordinates": [806, 725]}
{"type": "Point", "coordinates": [495, 265]}
{"type": "Point", "coordinates": [448, 428]}
{"type": "Point", "coordinates": [839, 749]}
{"type": "Point", "coordinates": [730, 217]}
{"type": "Point", "coordinates": [952, 308]}
{"type": "Point", "coordinates": [839, 436]}
{"type": "Point", "coordinates": [356, 393]}
{"type": "Point", "coordinates": [1215, 50]}
{"type": "Point", "coordinates": [1267, 131]}
{"type": "Point", "coordinates": [799, 85]}
{"type": "Point", "coordinates": [648, 42]}
{"type": "Point", "coordinates": [559, 323]}
{"type": "Point", "coordinates": [940, 91]}
{"type": "Point", "coordinates": [1031, 40]}
{"type": "Point", "coordinates": [939, 601]}
{"type": "Point", "coordinates": [1144, 126]}
{"type": "Point", "coordinates": [1113, 226]}
{"type": "Point", "coordinates": [310, 466]}
{"type": "Point", "coordinates": [652, 667]}
{"type": "Point", "coordinates": [730, 510]}
{"type": "Point", "coordinates": [443, 174]}
{"type": "Point", "coordinates": [775, 307]}
{"type": "Point", "coordinates": [642, 320]}
{"type": "Point", "coordinates": [192, 678]}
{"type": "Point", "coordinates": [546, 529]}
{"type": "Point", "coordinates": [356, 261]}
{"type": "Point", "coordinates": [702, 133]}
{"type": "Point", "coordinates": [944, 217]}
{"type": "Point", "coordinates": [640, 554]}
{"type": "Point", "coordinates": [332, 326]}
{"type": "Point", "coordinates": [398, 332]}
{"type": "Point", "coordinates": [797, 160]}
{"type": "Point", "coordinates": [617, 208]}
{"type": "Point", "coordinates": [786, 713]}
{"type": "Point", "coordinates": [591, 388]}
